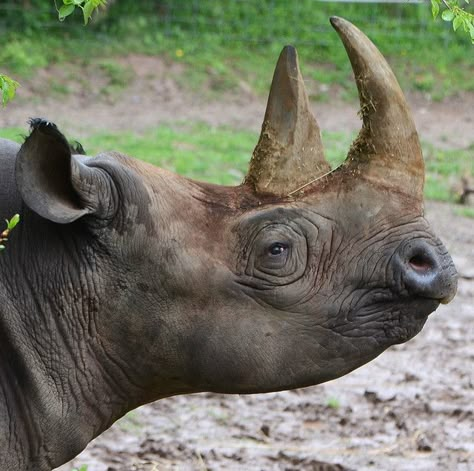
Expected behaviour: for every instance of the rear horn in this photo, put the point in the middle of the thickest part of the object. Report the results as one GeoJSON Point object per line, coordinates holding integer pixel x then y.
{"type": "Point", "coordinates": [387, 149]}
{"type": "Point", "coordinates": [289, 155]}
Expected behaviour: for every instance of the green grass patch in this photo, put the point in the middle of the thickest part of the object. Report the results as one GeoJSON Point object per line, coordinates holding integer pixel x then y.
{"type": "Point", "coordinates": [118, 75]}
{"type": "Point", "coordinates": [218, 155]}
{"type": "Point", "coordinates": [464, 211]}
{"type": "Point", "coordinates": [221, 155]}
{"type": "Point", "coordinates": [14, 134]}
{"type": "Point", "coordinates": [333, 403]}
{"type": "Point", "coordinates": [444, 169]}
{"type": "Point", "coordinates": [227, 45]}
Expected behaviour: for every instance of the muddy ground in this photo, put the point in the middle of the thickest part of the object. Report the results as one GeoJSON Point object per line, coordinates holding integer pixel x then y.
{"type": "Point", "coordinates": [410, 409]}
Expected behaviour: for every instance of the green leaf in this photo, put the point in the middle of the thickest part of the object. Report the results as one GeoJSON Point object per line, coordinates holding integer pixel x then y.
{"type": "Point", "coordinates": [457, 22]}
{"type": "Point", "coordinates": [87, 9]}
{"type": "Point", "coordinates": [65, 11]}
{"type": "Point", "coordinates": [5, 94]}
{"type": "Point", "coordinates": [435, 8]}
{"type": "Point", "coordinates": [447, 15]}
{"type": "Point", "coordinates": [7, 88]}
{"type": "Point", "coordinates": [10, 91]}
{"type": "Point", "coordinates": [13, 222]}
{"type": "Point", "coordinates": [471, 31]}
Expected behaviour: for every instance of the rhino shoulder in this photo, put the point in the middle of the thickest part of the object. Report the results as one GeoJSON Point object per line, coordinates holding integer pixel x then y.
{"type": "Point", "coordinates": [8, 148]}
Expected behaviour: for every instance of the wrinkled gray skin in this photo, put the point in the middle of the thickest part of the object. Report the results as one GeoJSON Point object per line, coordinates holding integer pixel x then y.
{"type": "Point", "coordinates": [124, 284]}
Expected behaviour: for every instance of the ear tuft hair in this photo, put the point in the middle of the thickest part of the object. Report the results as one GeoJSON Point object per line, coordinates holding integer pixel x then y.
{"type": "Point", "coordinates": [42, 124]}
{"type": "Point", "coordinates": [48, 127]}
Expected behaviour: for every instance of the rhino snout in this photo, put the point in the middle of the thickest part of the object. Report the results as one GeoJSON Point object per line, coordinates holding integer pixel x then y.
{"type": "Point", "coordinates": [427, 271]}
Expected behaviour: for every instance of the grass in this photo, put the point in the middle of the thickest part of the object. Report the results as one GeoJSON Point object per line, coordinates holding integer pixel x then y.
{"type": "Point", "coordinates": [444, 169]}
{"type": "Point", "coordinates": [118, 76]}
{"type": "Point", "coordinates": [195, 150]}
{"type": "Point", "coordinates": [333, 403]}
{"type": "Point", "coordinates": [227, 45]}
{"type": "Point", "coordinates": [464, 211]}
{"type": "Point", "coordinates": [221, 155]}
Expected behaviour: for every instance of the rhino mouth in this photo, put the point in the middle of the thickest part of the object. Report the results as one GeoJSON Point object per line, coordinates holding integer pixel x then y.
{"type": "Point", "coordinates": [402, 321]}
{"type": "Point", "coordinates": [391, 321]}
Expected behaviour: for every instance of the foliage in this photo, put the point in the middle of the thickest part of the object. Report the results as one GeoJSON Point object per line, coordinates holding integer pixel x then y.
{"type": "Point", "coordinates": [233, 44]}
{"type": "Point", "coordinates": [464, 211]}
{"type": "Point", "coordinates": [11, 224]}
{"type": "Point", "coordinates": [453, 12]}
{"type": "Point", "coordinates": [8, 87]}
{"type": "Point", "coordinates": [87, 6]}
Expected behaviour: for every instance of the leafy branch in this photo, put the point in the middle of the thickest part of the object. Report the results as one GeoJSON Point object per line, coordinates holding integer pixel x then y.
{"type": "Point", "coordinates": [10, 226]}
{"type": "Point", "coordinates": [87, 6]}
{"type": "Point", "coordinates": [8, 88]}
{"type": "Point", "coordinates": [452, 11]}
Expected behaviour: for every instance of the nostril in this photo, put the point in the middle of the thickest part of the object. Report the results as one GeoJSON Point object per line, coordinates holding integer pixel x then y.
{"type": "Point", "coordinates": [421, 263]}
{"type": "Point", "coordinates": [426, 270]}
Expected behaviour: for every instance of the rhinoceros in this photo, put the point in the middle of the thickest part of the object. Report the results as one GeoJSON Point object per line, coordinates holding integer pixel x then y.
{"type": "Point", "coordinates": [125, 283]}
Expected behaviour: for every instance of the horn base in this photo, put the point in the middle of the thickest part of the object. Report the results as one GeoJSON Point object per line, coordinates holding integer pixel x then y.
{"type": "Point", "coordinates": [275, 170]}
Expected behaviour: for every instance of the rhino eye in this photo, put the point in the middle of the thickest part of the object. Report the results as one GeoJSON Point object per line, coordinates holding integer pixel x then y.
{"type": "Point", "coordinates": [274, 258]}
{"type": "Point", "coordinates": [278, 248]}
{"type": "Point", "coordinates": [278, 254]}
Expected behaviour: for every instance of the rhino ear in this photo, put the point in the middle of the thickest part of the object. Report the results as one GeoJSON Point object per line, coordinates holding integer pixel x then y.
{"type": "Point", "coordinates": [53, 182]}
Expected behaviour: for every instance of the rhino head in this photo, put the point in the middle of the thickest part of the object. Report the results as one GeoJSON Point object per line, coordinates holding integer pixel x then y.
{"type": "Point", "coordinates": [151, 284]}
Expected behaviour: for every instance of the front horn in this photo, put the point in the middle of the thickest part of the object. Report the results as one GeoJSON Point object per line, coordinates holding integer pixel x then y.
{"type": "Point", "coordinates": [289, 152]}
{"type": "Point", "coordinates": [387, 150]}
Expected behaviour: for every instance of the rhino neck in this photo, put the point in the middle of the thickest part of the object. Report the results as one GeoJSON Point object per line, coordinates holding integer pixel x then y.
{"type": "Point", "coordinates": [10, 201]}
{"type": "Point", "coordinates": [57, 390]}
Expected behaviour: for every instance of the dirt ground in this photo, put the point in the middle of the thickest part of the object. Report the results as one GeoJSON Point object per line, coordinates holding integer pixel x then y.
{"type": "Point", "coordinates": [410, 409]}
{"type": "Point", "coordinates": [153, 96]}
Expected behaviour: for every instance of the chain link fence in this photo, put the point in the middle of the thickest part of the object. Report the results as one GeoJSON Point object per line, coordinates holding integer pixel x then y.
{"type": "Point", "coordinates": [304, 21]}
